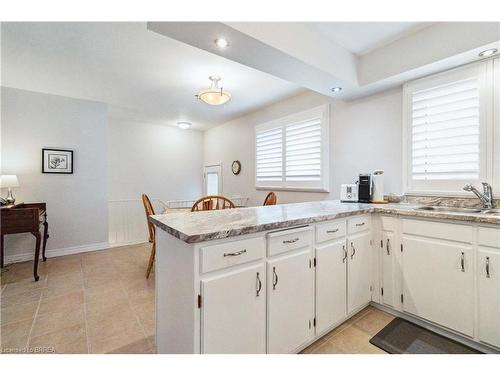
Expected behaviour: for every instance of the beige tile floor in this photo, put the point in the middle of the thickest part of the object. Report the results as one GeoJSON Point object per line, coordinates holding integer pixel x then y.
{"type": "Point", "coordinates": [101, 302]}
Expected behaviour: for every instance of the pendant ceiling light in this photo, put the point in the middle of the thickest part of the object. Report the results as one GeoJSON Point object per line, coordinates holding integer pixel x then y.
{"type": "Point", "coordinates": [215, 95]}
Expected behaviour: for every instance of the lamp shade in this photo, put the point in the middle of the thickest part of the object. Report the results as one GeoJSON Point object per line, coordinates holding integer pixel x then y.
{"type": "Point", "coordinates": [8, 181]}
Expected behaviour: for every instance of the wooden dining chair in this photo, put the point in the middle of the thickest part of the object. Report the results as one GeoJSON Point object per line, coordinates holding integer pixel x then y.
{"type": "Point", "coordinates": [270, 200]}
{"type": "Point", "coordinates": [212, 202]}
{"type": "Point", "coordinates": [148, 208]}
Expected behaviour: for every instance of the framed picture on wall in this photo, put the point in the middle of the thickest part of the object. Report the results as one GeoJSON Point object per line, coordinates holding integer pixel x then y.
{"type": "Point", "coordinates": [57, 161]}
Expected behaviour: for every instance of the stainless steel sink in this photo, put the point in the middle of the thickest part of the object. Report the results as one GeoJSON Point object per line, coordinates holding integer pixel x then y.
{"type": "Point", "coordinates": [451, 209]}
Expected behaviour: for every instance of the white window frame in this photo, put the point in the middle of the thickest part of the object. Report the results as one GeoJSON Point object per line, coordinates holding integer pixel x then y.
{"type": "Point", "coordinates": [484, 71]}
{"type": "Point", "coordinates": [496, 126]}
{"type": "Point", "coordinates": [323, 112]}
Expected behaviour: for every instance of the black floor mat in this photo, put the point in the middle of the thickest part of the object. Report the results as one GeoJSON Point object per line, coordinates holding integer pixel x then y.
{"type": "Point", "coordinates": [403, 337]}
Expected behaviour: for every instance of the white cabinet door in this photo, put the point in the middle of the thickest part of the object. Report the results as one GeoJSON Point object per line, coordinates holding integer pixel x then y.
{"type": "Point", "coordinates": [439, 282]}
{"type": "Point", "coordinates": [234, 306]}
{"type": "Point", "coordinates": [358, 271]}
{"type": "Point", "coordinates": [488, 261]}
{"type": "Point", "coordinates": [389, 271]}
{"type": "Point", "coordinates": [331, 267]}
{"type": "Point", "coordinates": [290, 301]}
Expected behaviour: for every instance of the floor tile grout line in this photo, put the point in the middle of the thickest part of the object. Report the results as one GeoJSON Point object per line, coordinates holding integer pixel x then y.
{"type": "Point", "coordinates": [36, 312]}
{"type": "Point", "coordinates": [85, 309]}
{"type": "Point", "coordinates": [135, 314]}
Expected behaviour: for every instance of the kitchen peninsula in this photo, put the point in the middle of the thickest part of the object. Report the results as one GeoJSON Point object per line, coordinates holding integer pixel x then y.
{"type": "Point", "coordinates": [275, 279]}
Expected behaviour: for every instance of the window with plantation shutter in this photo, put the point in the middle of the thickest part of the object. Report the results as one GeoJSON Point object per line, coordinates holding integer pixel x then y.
{"type": "Point", "coordinates": [446, 132]}
{"type": "Point", "coordinates": [292, 153]}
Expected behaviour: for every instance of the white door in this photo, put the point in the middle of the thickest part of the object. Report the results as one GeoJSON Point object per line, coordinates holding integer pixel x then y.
{"type": "Point", "coordinates": [358, 271]}
{"type": "Point", "coordinates": [488, 262]}
{"type": "Point", "coordinates": [212, 177]}
{"type": "Point", "coordinates": [438, 278]}
{"type": "Point", "coordinates": [388, 292]}
{"type": "Point", "coordinates": [331, 280]}
{"type": "Point", "coordinates": [234, 305]}
{"type": "Point", "coordinates": [290, 302]}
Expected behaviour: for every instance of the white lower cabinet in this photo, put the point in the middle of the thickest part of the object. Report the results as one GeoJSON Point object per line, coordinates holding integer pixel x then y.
{"type": "Point", "coordinates": [439, 282]}
{"type": "Point", "coordinates": [233, 314]}
{"type": "Point", "coordinates": [358, 271]}
{"type": "Point", "coordinates": [290, 307]}
{"type": "Point", "coordinates": [331, 278]}
{"type": "Point", "coordinates": [388, 292]}
{"type": "Point", "coordinates": [488, 268]}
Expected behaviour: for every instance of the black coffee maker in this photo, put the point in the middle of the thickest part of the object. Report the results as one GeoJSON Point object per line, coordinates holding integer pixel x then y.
{"type": "Point", "coordinates": [365, 188]}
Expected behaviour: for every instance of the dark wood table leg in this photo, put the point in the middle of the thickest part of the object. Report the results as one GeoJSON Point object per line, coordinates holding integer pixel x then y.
{"type": "Point", "coordinates": [1, 251]}
{"type": "Point", "coordinates": [37, 255]}
{"type": "Point", "coordinates": [45, 236]}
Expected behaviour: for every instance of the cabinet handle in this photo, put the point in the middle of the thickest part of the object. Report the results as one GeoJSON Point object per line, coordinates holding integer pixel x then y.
{"type": "Point", "coordinates": [291, 241]}
{"type": "Point", "coordinates": [235, 254]}
{"type": "Point", "coordinates": [275, 278]}
{"type": "Point", "coordinates": [259, 284]}
{"type": "Point", "coordinates": [353, 250]}
{"type": "Point", "coordinates": [360, 224]}
{"type": "Point", "coordinates": [345, 254]}
{"type": "Point", "coordinates": [332, 231]}
{"type": "Point", "coordinates": [387, 247]}
{"type": "Point", "coordinates": [488, 267]}
{"type": "Point", "coordinates": [462, 261]}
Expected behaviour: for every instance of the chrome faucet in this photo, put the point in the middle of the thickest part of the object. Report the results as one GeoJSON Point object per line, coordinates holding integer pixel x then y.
{"type": "Point", "coordinates": [486, 197]}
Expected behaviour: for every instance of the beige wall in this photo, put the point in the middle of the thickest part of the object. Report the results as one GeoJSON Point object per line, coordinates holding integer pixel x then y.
{"type": "Point", "coordinates": [364, 135]}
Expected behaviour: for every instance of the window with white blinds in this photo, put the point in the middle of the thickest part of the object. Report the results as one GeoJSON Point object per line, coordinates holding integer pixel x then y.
{"type": "Point", "coordinates": [292, 153]}
{"type": "Point", "coordinates": [446, 130]}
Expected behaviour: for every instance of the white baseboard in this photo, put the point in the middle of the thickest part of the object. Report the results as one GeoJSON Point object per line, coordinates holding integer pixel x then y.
{"type": "Point", "coordinates": [130, 243]}
{"type": "Point", "coordinates": [16, 258]}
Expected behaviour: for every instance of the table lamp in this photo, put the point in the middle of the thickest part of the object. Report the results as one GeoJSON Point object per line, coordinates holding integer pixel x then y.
{"type": "Point", "coordinates": [9, 181]}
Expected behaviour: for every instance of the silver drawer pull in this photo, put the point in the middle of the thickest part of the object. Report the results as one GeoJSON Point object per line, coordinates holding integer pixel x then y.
{"type": "Point", "coordinates": [235, 254]}
{"type": "Point", "coordinates": [353, 250]}
{"type": "Point", "coordinates": [345, 254]}
{"type": "Point", "coordinates": [462, 261]}
{"type": "Point", "coordinates": [360, 224]}
{"type": "Point", "coordinates": [291, 241]}
{"type": "Point", "coordinates": [259, 284]}
{"type": "Point", "coordinates": [275, 278]}
{"type": "Point", "coordinates": [488, 267]}
{"type": "Point", "coordinates": [387, 247]}
{"type": "Point", "coordinates": [332, 231]}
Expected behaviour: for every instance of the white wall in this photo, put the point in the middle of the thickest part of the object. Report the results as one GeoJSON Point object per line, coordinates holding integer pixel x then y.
{"type": "Point", "coordinates": [365, 135]}
{"type": "Point", "coordinates": [144, 157]}
{"type": "Point", "coordinates": [77, 203]}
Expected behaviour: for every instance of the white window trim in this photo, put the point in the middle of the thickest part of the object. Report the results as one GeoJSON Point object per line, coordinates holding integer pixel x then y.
{"type": "Point", "coordinates": [496, 127]}
{"type": "Point", "coordinates": [324, 185]}
{"type": "Point", "coordinates": [452, 188]}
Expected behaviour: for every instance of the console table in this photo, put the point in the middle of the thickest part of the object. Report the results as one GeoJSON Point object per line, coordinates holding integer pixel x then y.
{"type": "Point", "coordinates": [25, 218]}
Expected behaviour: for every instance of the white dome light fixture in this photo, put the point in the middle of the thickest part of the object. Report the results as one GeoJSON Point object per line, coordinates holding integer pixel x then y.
{"type": "Point", "coordinates": [488, 52]}
{"type": "Point", "coordinates": [184, 125]}
{"type": "Point", "coordinates": [214, 95]}
{"type": "Point", "coordinates": [221, 43]}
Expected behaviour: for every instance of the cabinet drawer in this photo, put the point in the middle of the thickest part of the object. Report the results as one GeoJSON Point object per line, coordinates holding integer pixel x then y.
{"type": "Point", "coordinates": [388, 223]}
{"type": "Point", "coordinates": [283, 241]}
{"type": "Point", "coordinates": [444, 231]}
{"type": "Point", "coordinates": [489, 237]}
{"type": "Point", "coordinates": [358, 224]}
{"type": "Point", "coordinates": [330, 230]}
{"type": "Point", "coordinates": [231, 253]}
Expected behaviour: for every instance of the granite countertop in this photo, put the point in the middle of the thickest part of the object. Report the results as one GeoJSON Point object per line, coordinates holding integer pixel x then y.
{"type": "Point", "coordinates": [201, 226]}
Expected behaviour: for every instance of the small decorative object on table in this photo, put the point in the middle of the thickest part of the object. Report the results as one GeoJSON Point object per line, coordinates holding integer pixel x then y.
{"type": "Point", "coordinates": [57, 161]}
{"type": "Point", "coordinates": [236, 167]}
{"type": "Point", "coordinates": [8, 181]}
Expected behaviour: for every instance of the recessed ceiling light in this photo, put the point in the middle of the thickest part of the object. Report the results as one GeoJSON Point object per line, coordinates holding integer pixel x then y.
{"type": "Point", "coordinates": [488, 52]}
{"type": "Point", "coordinates": [336, 89]}
{"type": "Point", "coordinates": [221, 42]}
{"type": "Point", "coordinates": [184, 125]}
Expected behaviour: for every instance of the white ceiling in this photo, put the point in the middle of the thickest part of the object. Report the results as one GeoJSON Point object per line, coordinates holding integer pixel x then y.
{"type": "Point", "coordinates": [363, 37]}
{"type": "Point", "coordinates": [139, 73]}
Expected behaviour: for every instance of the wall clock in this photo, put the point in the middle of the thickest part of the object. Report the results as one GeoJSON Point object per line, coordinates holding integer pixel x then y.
{"type": "Point", "coordinates": [236, 167]}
